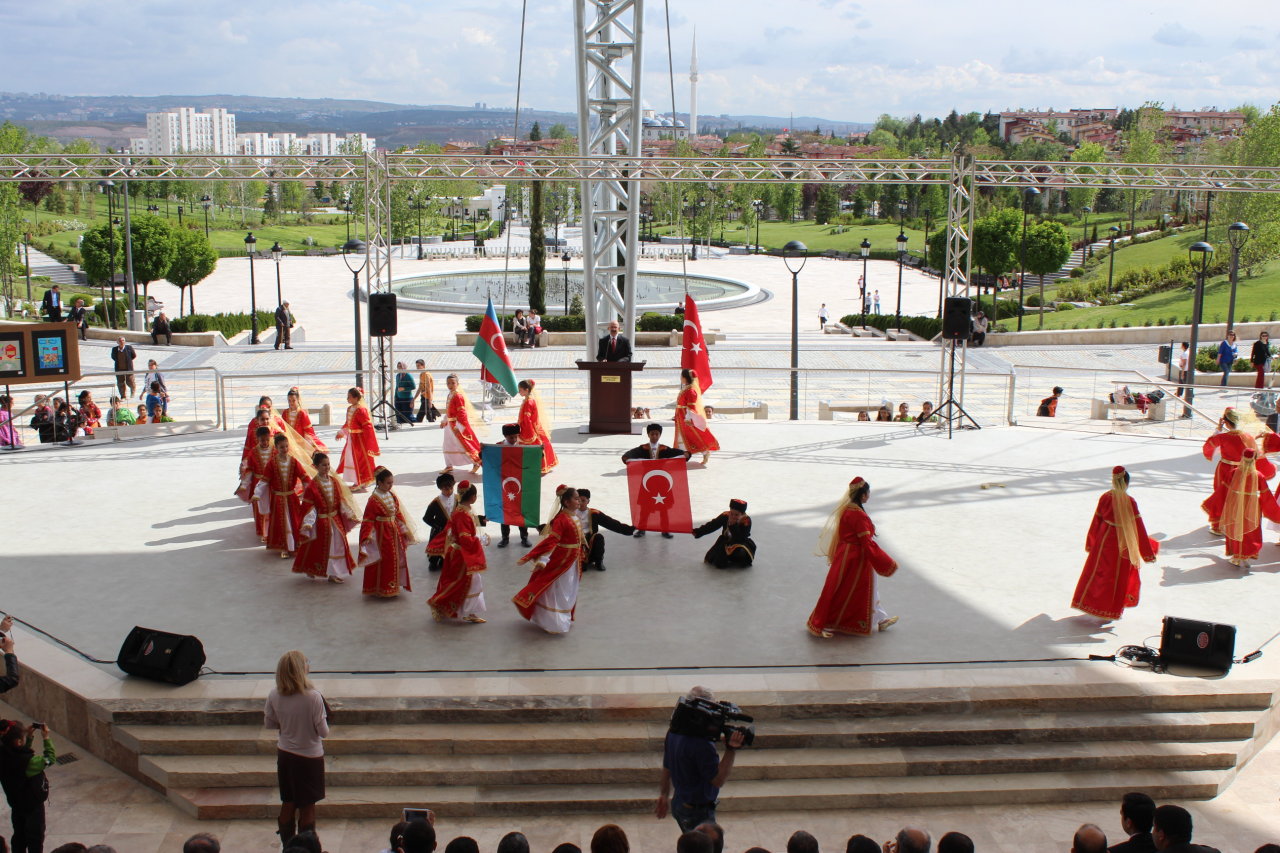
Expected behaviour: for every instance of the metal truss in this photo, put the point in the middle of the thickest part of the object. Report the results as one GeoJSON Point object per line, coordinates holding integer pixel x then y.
{"type": "Point", "coordinates": [959, 259]}
{"type": "Point", "coordinates": [609, 38]}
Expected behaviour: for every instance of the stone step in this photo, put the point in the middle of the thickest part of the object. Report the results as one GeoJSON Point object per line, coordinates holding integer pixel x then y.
{"type": "Point", "coordinates": [577, 737]}
{"type": "Point", "coordinates": [235, 771]}
{"type": "Point", "coordinates": [748, 795]}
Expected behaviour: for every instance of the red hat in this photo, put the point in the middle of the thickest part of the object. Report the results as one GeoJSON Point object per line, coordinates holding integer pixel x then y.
{"type": "Point", "coordinates": [856, 481]}
{"type": "Point", "coordinates": [1118, 470]}
{"type": "Point", "coordinates": [464, 485]}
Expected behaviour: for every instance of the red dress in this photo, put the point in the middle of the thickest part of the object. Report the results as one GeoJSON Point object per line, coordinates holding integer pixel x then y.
{"type": "Point", "coordinates": [846, 601]}
{"type": "Point", "coordinates": [461, 438]}
{"type": "Point", "coordinates": [361, 447]}
{"type": "Point", "coordinates": [1249, 543]}
{"type": "Point", "coordinates": [688, 436]}
{"type": "Point", "coordinates": [91, 416]}
{"type": "Point", "coordinates": [300, 422]}
{"type": "Point", "coordinates": [1231, 446]}
{"type": "Point", "coordinates": [463, 558]}
{"type": "Point", "coordinates": [1110, 580]}
{"type": "Point", "coordinates": [384, 541]}
{"type": "Point", "coordinates": [253, 471]}
{"type": "Point", "coordinates": [325, 524]}
{"type": "Point", "coordinates": [562, 549]}
{"type": "Point", "coordinates": [283, 514]}
{"type": "Point", "coordinates": [531, 432]}
{"type": "Point", "coordinates": [275, 424]}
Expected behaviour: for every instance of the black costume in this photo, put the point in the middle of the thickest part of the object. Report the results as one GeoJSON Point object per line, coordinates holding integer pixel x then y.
{"type": "Point", "coordinates": [436, 517]}
{"type": "Point", "coordinates": [646, 451]}
{"type": "Point", "coordinates": [733, 547]}
{"type": "Point", "coordinates": [593, 542]}
{"type": "Point", "coordinates": [79, 316]}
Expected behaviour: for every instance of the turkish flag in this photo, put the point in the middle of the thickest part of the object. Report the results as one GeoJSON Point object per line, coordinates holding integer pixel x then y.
{"type": "Point", "coordinates": [694, 356]}
{"type": "Point", "coordinates": [659, 490]}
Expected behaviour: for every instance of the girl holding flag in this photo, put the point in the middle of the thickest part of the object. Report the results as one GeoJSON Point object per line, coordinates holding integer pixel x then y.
{"type": "Point", "coordinates": [533, 424]}
{"type": "Point", "coordinates": [460, 443]}
{"type": "Point", "coordinates": [692, 433]}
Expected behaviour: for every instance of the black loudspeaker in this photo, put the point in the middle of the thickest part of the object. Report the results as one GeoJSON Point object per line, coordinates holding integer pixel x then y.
{"type": "Point", "coordinates": [955, 318]}
{"type": "Point", "coordinates": [382, 315]}
{"type": "Point", "coordinates": [1203, 645]}
{"type": "Point", "coordinates": [161, 656]}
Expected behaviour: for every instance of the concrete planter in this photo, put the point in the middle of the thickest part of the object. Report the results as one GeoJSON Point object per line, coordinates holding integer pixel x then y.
{"type": "Point", "coordinates": [568, 339]}
{"type": "Point", "coordinates": [180, 339]}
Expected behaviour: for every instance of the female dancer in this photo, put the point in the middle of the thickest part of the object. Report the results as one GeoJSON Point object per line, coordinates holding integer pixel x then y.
{"type": "Point", "coordinates": [1117, 540]}
{"type": "Point", "coordinates": [286, 477]}
{"type": "Point", "coordinates": [328, 514]}
{"type": "Point", "coordinates": [362, 443]}
{"type": "Point", "coordinates": [850, 600]}
{"type": "Point", "coordinates": [691, 421]}
{"type": "Point", "coordinates": [460, 590]}
{"type": "Point", "coordinates": [272, 420]}
{"type": "Point", "coordinates": [460, 443]}
{"type": "Point", "coordinates": [1248, 499]}
{"type": "Point", "coordinates": [300, 422]}
{"type": "Point", "coordinates": [533, 425]}
{"type": "Point", "coordinates": [385, 535]}
{"type": "Point", "coordinates": [551, 595]}
{"type": "Point", "coordinates": [1230, 443]}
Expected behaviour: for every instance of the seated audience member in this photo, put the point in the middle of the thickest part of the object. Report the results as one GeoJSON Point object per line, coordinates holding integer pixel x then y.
{"type": "Point", "coordinates": [142, 413]}
{"type": "Point", "coordinates": [861, 844]}
{"type": "Point", "coordinates": [1171, 831]}
{"type": "Point", "coordinates": [42, 419]}
{"type": "Point", "coordinates": [118, 415]}
{"type": "Point", "coordinates": [863, 416]}
{"type": "Point", "coordinates": [884, 414]}
{"type": "Point", "coordinates": [513, 842]}
{"type": "Point", "coordinates": [609, 839]}
{"type": "Point", "coordinates": [462, 844]}
{"type": "Point", "coordinates": [1268, 848]}
{"type": "Point", "coordinates": [1136, 813]}
{"type": "Point", "coordinates": [420, 837]}
{"type": "Point", "coordinates": [69, 847]}
{"type": "Point", "coordinates": [912, 840]}
{"type": "Point", "coordinates": [1089, 839]}
{"type": "Point", "coordinates": [202, 842]}
{"type": "Point", "coordinates": [155, 404]}
{"type": "Point", "coordinates": [926, 415]}
{"type": "Point", "coordinates": [955, 842]}
{"type": "Point", "coordinates": [160, 329]}
{"type": "Point", "coordinates": [802, 842]}
{"type": "Point", "coordinates": [715, 832]}
{"type": "Point", "coordinates": [904, 415]}
{"type": "Point", "coordinates": [520, 327]}
{"type": "Point", "coordinates": [394, 841]}
{"type": "Point", "coordinates": [101, 848]}
{"type": "Point", "coordinates": [566, 847]}
{"type": "Point", "coordinates": [305, 842]}
{"type": "Point", "coordinates": [694, 842]}
{"type": "Point", "coordinates": [763, 850]}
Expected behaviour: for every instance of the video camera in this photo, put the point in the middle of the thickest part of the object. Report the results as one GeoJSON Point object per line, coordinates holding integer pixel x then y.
{"type": "Point", "coordinates": [706, 719]}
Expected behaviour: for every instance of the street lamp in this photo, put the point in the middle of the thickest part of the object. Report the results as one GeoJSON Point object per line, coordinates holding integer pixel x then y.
{"type": "Point", "coordinates": [179, 216]}
{"type": "Point", "coordinates": [1237, 236]}
{"type": "Point", "coordinates": [419, 202]}
{"type": "Point", "coordinates": [902, 212]}
{"type": "Point", "coordinates": [758, 206]}
{"type": "Point", "coordinates": [866, 253]}
{"type": "Point", "coordinates": [108, 189]}
{"type": "Point", "coordinates": [206, 203]}
{"type": "Point", "coordinates": [564, 259]}
{"type": "Point", "coordinates": [902, 256]}
{"type": "Point", "coordinates": [1111, 270]}
{"type": "Point", "coordinates": [348, 207]}
{"type": "Point", "coordinates": [790, 251]}
{"type": "Point", "coordinates": [1204, 251]}
{"type": "Point", "coordinates": [356, 247]}
{"type": "Point", "coordinates": [250, 242]}
{"type": "Point", "coordinates": [1208, 207]}
{"type": "Point", "coordinates": [1084, 245]}
{"type": "Point", "coordinates": [1027, 195]}
{"type": "Point", "coordinates": [276, 254]}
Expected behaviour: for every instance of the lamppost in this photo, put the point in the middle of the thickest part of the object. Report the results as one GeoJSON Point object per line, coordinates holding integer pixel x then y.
{"type": "Point", "coordinates": [179, 216]}
{"type": "Point", "coordinates": [1237, 236]}
{"type": "Point", "coordinates": [250, 242]}
{"type": "Point", "coordinates": [790, 251]}
{"type": "Point", "coordinates": [276, 254]}
{"type": "Point", "coordinates": [902, 256]}
{"type": "Point", "coordinates": [902, 213]}
{"type": "Point", "coordinates": [1027, 195]}
{"type": "Point", "coordinates": [865, 248]}
{"type": "Point", "coordinates": [1084, 245]}
{"type": "Point", "coordinates": [206, 203]}
{"type": "Point", "coordinates": [108, 188]}
{"type": "Point", "coordinates": [564, 259]}
{"type": "Point", "coordinates": [758, 207]}
{"type": "Point", "coordinates": [419, 202]}
{"type": "Point", "coordinates": [698, 207]}
{"type": "Point", "coordinates": [348, 208]}
{"type": "Point", "coordinates": [356, 247]}
{"type": "Point", "coordinates": [1111, 270]}
{"type": "Point", "coordinates": [1208, 207]}
{"type": "Point", "coordinates": [1205, 251]}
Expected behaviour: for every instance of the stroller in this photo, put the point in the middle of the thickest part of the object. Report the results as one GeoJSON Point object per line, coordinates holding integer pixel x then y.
{"type": "Point", "coordinates": [495, 394]}
{"type": "Point", "coordinates": [1263, 403]}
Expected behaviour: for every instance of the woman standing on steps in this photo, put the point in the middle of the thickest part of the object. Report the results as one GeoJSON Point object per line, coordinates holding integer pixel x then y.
{"type": "Point", "coordinates": [850, 600]}
{"type": "Point", "coordinates": [299, 712]}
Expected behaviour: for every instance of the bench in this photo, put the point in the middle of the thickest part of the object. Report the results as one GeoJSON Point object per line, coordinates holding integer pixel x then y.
{"type": "Point", "coordinates": [133, 431]}
{"type": "Point", "coordinates": [322, 416]}
{"type": "Point", "coordinates": [828, 408]}
{"type": "Point", "coordinates": [758, 409]}
{"type": "Point", "coordinates": [1101, 409]}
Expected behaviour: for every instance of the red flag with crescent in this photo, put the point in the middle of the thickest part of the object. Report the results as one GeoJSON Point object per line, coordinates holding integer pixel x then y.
{"type": "Point", "coordinates": [659, 490]}
{"type": "Point", "coordinates": [694, 356]}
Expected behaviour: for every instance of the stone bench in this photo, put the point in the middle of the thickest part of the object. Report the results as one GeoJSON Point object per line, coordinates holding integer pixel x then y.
{"type": "Point", "coordinates": [322, 416]}
{"type": "Point", "coordinates": [828, 408]}
{"type": "Point", "coordinates": [1101, 409]}
{"type": "Point", "coordinates": [758, 409]}
{"type": "Point", "coordinates": [135, 431]}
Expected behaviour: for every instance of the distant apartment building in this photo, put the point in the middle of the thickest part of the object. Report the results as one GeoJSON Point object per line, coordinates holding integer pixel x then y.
{"type": "Point", "coordinates": [1095, 125]}
{"type": "Point", "coordinates": [183, 130]}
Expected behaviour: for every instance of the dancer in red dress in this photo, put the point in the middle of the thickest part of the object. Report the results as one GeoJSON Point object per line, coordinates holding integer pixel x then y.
{"type": "Point", "coordinates": [253, 471]}
{"type": "Point", "coordinates": [328, 514]}
{"type": "Point", "coordinates": [1117, 540]}
{"type": "Point", "coordinates": [550, 597]}
{"type": "Point", "coordinates": [1248, 500]}
{"type": "Point", "coordinates": [1230, 442]}
{"type": "Point", "coordinates": [533, 424]}
{"type": "Point", "coordinates": [460, 443]}
{"type": "Point", "coordinates": [282, 510]}
{"type": "Point", "coordinates": [850, 600]}
{"type": "Point", "coordinates": [460, 590]}
{"type": "Point", "coordinates": [300, 422]}
{"type": "Point", "coordinates": [356, 464]}
{"type": "Point", "coordinates": [692, 433]}
{"type": "Point", "coordinates": [271, 420]}
{"type": "Point", "coordinates": [385, 535]}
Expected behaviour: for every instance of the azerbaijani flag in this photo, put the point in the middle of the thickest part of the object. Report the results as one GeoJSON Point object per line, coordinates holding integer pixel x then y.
{"type": "Point", "coordinates": [491, 349]}
{"type": "Point", "coordinates": [512, 483]}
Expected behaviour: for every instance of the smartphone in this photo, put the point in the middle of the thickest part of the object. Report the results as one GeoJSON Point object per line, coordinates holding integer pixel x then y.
{"type": "Point", "coordinates": [420, 814]}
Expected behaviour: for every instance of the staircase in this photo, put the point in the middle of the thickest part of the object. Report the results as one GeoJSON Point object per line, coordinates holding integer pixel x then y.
{"type": "Point", "coordinates": [53, 269]}
{"type": "Point", "coordinates": [497, 756]}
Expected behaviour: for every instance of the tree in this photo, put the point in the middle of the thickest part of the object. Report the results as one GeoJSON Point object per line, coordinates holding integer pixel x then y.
{"type": "Point", "coordinates": [193, 260]}
{"type": "Point", "coordinates": [558, 131]}
{"type": "Point", "coordinates": [827, 205]}
{"type": "Point", "coordinates": [1140, 146]}
{"type": "Point", "coordinates": [535, 132]}
{"type": "Point", "coordinates": [1047, 249]}
{"type": "Point", "coordinates": [995, 246]}
{"type": "Point", "coordinates": [1082, 197]}
{"type": "Point", "coordinates": [786, 200]}
{"type": "Point", "coordinates": [153, 250]}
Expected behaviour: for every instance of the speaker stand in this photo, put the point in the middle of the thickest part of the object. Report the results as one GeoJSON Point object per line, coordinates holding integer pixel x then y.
{"type": "Point", "coordinates": [382, 412]}
{"type": "Point", "coordinates": [951, 409]}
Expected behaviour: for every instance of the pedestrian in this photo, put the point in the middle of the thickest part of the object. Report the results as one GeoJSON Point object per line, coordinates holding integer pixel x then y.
{"type": "Point", "coordinates": [1116, 543]}
{"type": "Point", "coordinates": [78, 315]}
{"type": "Point", "coordinates": [824, 317]}
{"type": "Point", "coordinates": [51, 305]}
{"type": "Point", "coordinates": [1184, 365]}
{"type": "Point", "coordinates": [25, 785]}
{"type": "Point", "coordinates": [122, 356]}
{"type": "Point", "coordinates": [850, 600]}
{"type": "Point", "coordinates": [1260, 358]}
{"type": "Point", "coordinates": [1049, 405]}
{"type": "Point", "coordinates": [427, 410]}
{"type": "Point", "coordinates": [980, 323]}
{"type": "Point", "coordinates": [404, 395]}
{"type": "Point", "coordinates": [875, 301]}
{"type": "Point", "coordinates": [301, 715]}
{"type": "Point", "coordinates": [284, 323]}
{"type": "Point", "coordinates": [1227, 352]}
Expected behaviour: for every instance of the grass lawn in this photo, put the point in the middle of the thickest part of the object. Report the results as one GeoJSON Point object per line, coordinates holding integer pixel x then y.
{"type": "Point", "coordinates": [817, 238]}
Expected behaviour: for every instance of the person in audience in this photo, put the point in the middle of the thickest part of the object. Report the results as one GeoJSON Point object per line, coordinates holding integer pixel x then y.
{"type": "Point", "coordinates": [70, 847]}
{"type": "Point", "coordinates": [405, 389]}
{"type": "Point", "coordinates": [904, 414]}
{"type": "Point", "coordinates": [8, 433]}
{"type": "Point", "coordinates": [101, 848]}
{"type": "Point", "coordinates": [462, 844]}
{"type": "Point", "coordinates": [141, 417]}
{"type": "Point", "coordinates": [305, 842]}
{"type": "Point", "coordinates": [155, 404]}
{"type": "Point", "coordinates": [1089, 839]}
{"type": "Point", "coordinates": [955, 842]}
{"type": "Point", "coordinates": [1171, 831]}
{"type": "Point", "coordinates": [1268, 848]}
{"type": "Point", "coordinates": [118, 415]}
{"type": "Point", "coordinates": [1136, 812]}
{"type": "Point", "coordinates": [513, 842]}
{"type": "Point", "coordinates": [608, 839]}
{"type": "Point", "coordinates": [153, 374]}
{"type": "Point", "coordinates": [763, 850]}
{"type": "Point", "coordinates": [802, 842]}
{"type": "Point", "coordinates": [535, 327]}
{"type": "Point", "coordinates": [1048, 407]}
{"type": "Point", "coordinates": [160, 329]}
{"type": "Point", "coordinates": [65, 421]}
{"type": "Point", "coordinates": [884, 415]}
{"type": "Point", "coordinates": [418, 837]}
{"type": "Point", "coordinates": [425, 393]}
{"type": "Point", "coordinates": [25, 785]}
{"type": "Point", "coordinates": [394, 841]}
{"type": "Point", "coordinates": [863, 416]}
{"type": "Point", "coordinates": [520, 326]}
{"type": "Point", "coordinates": [90, 414]}
{"type": "Point", "coordinates": [861, 844]}
{"type": "Point", "coordinates": [926, 415]}
{"type": "Point", "coordinates": [202, 842]}
{"type": "Point", "coordinates": [298, 711]}
{"type": "Point", "coordinates": [715, 832]}
{"type": "Point", "coordinates": [566, 847]}
{"type": "Point", "coordinates": [694, 842]}
{"type": "Point", "coordinates": [909, 840]}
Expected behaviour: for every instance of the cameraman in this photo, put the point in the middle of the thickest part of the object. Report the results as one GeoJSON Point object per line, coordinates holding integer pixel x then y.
{"type": "Point", "coordinates": [692, 766]}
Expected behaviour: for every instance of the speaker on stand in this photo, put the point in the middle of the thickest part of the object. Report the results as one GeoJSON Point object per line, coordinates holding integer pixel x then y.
{"type": "Point", "coordinates": [383, 325]}
{"type": "Point", "coordinates": [956, 325]}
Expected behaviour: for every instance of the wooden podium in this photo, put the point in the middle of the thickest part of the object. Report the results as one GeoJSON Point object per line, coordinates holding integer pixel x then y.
{"type": "Point", "coordinates": [610, 394]}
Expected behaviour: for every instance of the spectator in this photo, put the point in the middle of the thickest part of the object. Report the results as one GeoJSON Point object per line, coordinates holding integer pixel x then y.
{"type": "Point", "coordinates": [462, 844]}
{"type": "Point", "coordinates": [824, 317]}
{"type": "Point", "coordinates": [520, 327]}
{"type": "Point", "coordinates": [70, 847]}
{"type": "Point", "coordinates": [155, 404]}
{"type": "Point", "coordinates": [299, 712]}
{"type": "Point", "coordinates": [142, 414]}
{"type": "Point", "coordinates": [535, 327]}
{"type": "Point", "coordinates": [909, 840]}
{"type": "Point", "coordinates": [926, 415]}
{"type": "Point", "coordinates": [65, 421]}
{"type": "Point", "coordinates": [1171, 831]}
{"type": "Point", "coordinates": [690, 766]}
{"type": "Point", "coordinates": [1089, 839]}
{"type": "Point", "coordinates": [1260, 358]}
{"type": "Point", "coordinates": [1183, 365]}
{"type": "Point", "coordinates": [802, 842]}
{"type": "Point", "coordinates": [884, 413]}
{"type": "Point", "coordinates": [715, 832]}
{"type": "Point", "coordinates": [418, 837]}
{"type": "Point", "coordinates": [307, 842]}
{"type": "Point", "coordinates": [875, 302]}
{"type": "Point", "coordinates": [513, 842]}
{"type": "Point", "coordinates": [980, 322]}
{"type": "Point", "coordinates": [153, 374]}
{"type": "Point", "coordinates": [566, 847]}
{"type": "Point", "coordinates": [608, 839]}
{"type": "Point", "coordinates": [1227, 352]}
{"type": "Point", "coordinates": [122, 356]}
{"type": "Point", "coordinates": [160, 329]}
{"type": "Point", "coordinates": [51, 305]}
{"type": "Point", "coordinates": [90, 415]}
{"type": "Point", "coordinates": [79, 315]}
{"type": "Point", "coordinates": [284, 325]}
{"type": "Point", "coordinates": [955, 842]}
{"type": "Point", "coordinates": [762, 850]}
{"type": "Point", "coordinates": [904, 414]}
{"type": "Point", "coordinates": [404, 394]}
{"type": "Point", "coordinates": [8, 432]}
{"type": "Point", "coordinates": [1268, 848]}
{"type": "Point", "coordinates": [861, 844]}
{"type": "Point", "coordinates": [694, 842]}
{"type": "Point", "coordinates": [25, 785]}
{"type": "Point", "coordinates": [202, 842]}
{"type": "Point", "coordinates": [394, 841]}
{"type": "Point", "coordinates": [102, 848]}
{"type": "Point", "coordinates": [427, 410]}
{"type": "Point", "coordinates": [11, 676]}
{"type": "Point", "coordinates": [1136, 812]}
{"type": "Point", "coordinates": [863, 416]}
{"type": "Point", "coordinates": [42, 419]}
{"type": "Point", "coordinates": [1049, 405]}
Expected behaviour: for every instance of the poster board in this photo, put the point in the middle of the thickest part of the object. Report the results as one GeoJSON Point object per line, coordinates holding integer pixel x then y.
{"type": "Point", "coordinates": [38, 352]}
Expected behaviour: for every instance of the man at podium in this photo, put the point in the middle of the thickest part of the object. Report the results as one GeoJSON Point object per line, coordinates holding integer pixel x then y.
{"type": "Point", "coordinates": [613, 346]}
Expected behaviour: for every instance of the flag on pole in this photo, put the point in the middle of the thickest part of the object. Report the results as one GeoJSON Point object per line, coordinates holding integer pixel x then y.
{"type": "Point", "coordinates": [491, 349]}
{"type": "Point", "coordinates": [659, 490]}
{"type": "Point", "coordinates": [512, 483]}
{"type": "Point", "coordinates": [694, 356]}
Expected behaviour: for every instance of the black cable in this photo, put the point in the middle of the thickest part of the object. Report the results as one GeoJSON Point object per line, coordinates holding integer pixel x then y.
{"type": "Point", "coordinates": [58, 640]}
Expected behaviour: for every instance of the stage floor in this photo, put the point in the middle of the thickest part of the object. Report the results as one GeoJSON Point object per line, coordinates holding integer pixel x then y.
{"type": "Point", "coordinates": [988, 529]}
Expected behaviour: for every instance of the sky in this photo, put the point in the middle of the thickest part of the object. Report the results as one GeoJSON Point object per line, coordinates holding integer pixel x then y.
{"type": "Point", "coordinates": [837, 59]}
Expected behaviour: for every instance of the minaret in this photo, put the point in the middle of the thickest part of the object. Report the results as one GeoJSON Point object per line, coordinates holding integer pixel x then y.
{"type": "Point", "coordinates": [693, 88]}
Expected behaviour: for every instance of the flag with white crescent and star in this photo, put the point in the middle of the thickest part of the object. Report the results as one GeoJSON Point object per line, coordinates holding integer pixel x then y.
{"type": "Point", "coordinates": [491, 349]}
{"type": "Point", "coordinates": [659, 491]}
{"type": "Point", "coordinates": [512, 483]}
{"type": "Point", "coordinates": [694, 356]}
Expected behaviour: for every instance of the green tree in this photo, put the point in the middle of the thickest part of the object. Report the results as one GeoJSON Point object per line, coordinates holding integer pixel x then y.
{"type": "Point", "coordinates": [827, 205]}
{"type": "Point", "coordinates": [193, 260]}
{"type": "Point", "coordinates": [786, 201]}
{"type": "Point", "coordinates": [558, 131]}
{"type": "Point", "coordinates": [995, 245]}
{"type": "Point", "coordinates": [1082, 197]}
{"type": "Point", "coordinates": [153, 250]}
{"type": "Point", "coordinates": [535, 132]}
{"type": "Point", "coordinates": [1259, 145]}
{"type": "Point", "coordinates": [1142, 146]}
{"type": "Point", "coordinates": [1047, 249]}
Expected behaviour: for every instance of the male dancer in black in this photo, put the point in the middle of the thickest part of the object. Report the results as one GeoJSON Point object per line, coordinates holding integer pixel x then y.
{"type": "Point", "coordinates": [591, 521]}
{"type": "Point", "coordinates": [653, 449]}
{"type": "Point", "coordinates": [733, 547]}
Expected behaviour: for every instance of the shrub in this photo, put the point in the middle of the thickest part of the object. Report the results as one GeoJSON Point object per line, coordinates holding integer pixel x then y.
{"type": "Point", "coordinates": [550, 322]}
{"type": "Point", "coordinates": [926, 327]}
{"type": "Point", "coordinates": [1063, 306]}
{"type": "Point", "coordinates": [227, 324]}
{"type": "Point", "coordinates": [654, 322]}
{"type": "Point", "coordinates": [1077, 272]}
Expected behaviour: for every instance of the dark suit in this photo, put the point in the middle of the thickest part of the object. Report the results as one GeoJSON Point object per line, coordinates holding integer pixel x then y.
{"type": "Point", "coordinates": [1140, 843]}
{"type": "Point", "coordinates": [284, 323]}
{"type": "Point", "coordinates": [78, 316]}
{"type": "Point", "coordinates": [733, 547]}
{"type": "Point", "coordinates": [437, 518]}
{"type": "Point", "coordinates": [51, 307]}
{"type": "Point", "coordinates": [611, 349]}
{"type": "Point", "coordinates": [593, 546]}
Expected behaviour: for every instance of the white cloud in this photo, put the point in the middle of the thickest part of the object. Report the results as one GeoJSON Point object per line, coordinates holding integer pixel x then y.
{"type": "Point", "coordinates": [1174, 34]}
{"type": "Point", "coordinates": [228, 34]}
